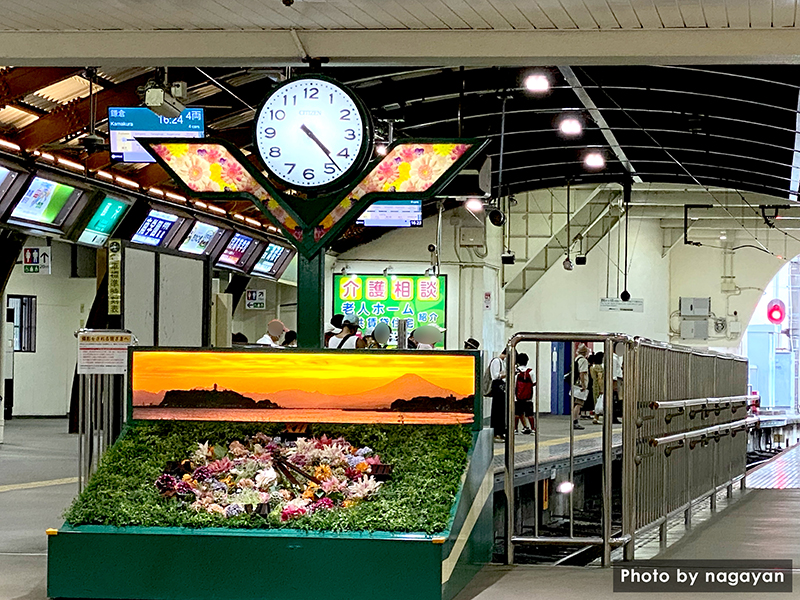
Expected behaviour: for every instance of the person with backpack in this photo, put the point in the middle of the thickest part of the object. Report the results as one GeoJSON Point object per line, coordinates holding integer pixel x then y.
{"type": "Point", "coordinates": [523, 390]}
{"type": "Point", "coordinates": [494, 385]}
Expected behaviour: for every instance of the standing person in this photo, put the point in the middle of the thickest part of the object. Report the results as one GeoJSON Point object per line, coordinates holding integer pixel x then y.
{"type": "Point", "coordinates": [347, 338]}
{"type": "Point", "coordinates": [523, 390]}
{"type": "Point", "coordinates": [336, 327]}
{"type": "Point", "coordinates": [580, 390]}
{"type": "Point", "coordinates": [380, 336]}
{"type": "Point", "coordinates": [275, 329]}
{"type": "Point", "coordinates": [497, 373]}
{"type": "Point", "coordinates": [597, 374]}
{"type": "Point", "coordinates": [617, 367]}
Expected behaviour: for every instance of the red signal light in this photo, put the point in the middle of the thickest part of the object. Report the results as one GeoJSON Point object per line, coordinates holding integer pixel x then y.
{"type": "Point", "coordinates": [776, 312]}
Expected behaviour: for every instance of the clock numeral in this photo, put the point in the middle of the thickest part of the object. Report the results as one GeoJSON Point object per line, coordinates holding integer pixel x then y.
{"type": "Point", "coordinates": [330, 168]}
{"type": "Point", "coordinates": [343, 152]}
{"type": "Point", "coordinates": [286, 100]}
{"type": "Point", "coordinates": [269, 132]}
{"type": "Point", "coordinates": [308, 173]}
{"type": "Point", "coordinates": [331, 97]}
{"type": "Point", "coordinates": [311, 94]}
{"type": "Point", "coordinates": [349, 134]}
{"type": "Point", "coordinates": [277, 115]}
{"type": "Point", "coordinates": [291, 167]}
{"type": "Point", "coordinates": [274, 152]}
{"type": "Point", "coordinates": [345, 112]}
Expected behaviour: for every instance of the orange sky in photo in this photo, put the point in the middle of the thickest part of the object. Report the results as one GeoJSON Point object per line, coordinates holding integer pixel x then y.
{"type": "Point", "coordinates": [324, 372]}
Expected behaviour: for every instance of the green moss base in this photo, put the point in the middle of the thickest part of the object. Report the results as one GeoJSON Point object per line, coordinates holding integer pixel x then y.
{"type": "Point", "coordinates": [428, 460]}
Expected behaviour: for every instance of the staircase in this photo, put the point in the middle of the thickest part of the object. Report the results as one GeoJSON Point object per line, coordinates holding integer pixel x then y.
{"type": "Point", "coordinates": [590, 223]}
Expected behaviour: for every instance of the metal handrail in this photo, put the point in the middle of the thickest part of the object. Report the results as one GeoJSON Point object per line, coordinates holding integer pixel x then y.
{"type": "Point", "coordinates": [699, 433]}
{"type": "Point", "coordinates": [656, 404]}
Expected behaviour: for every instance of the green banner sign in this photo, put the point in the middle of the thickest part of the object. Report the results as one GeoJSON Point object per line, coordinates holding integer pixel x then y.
{"type": "Point", "coordinates": [417, 299]}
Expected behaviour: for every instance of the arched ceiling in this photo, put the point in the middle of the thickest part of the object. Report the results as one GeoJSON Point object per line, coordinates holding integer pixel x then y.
{"type": "Point", "coordinates": [721, 126]}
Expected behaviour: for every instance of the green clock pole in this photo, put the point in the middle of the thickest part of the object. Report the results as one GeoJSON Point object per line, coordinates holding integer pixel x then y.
{"type": "Point", "coordinates": [310, 299]}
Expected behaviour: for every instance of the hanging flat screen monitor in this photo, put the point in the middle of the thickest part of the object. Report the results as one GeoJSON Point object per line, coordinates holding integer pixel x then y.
{"type": "Point", "coordinates": [236, 249]}
{"type": "Point", "coordinates": [155, 228]}
{"type": "Point", "coordinates": [392, 213]}
{"type": "Point", "coordinates": [103, 222]}
{"type": "Point", "coordinates": [46, 202]}
{"type": "Point", "coordinates": [200, 239]}
{"type": "Point", "coordinates": [273, 262]}
{"type": "Point", "coordinates": [125, 124]}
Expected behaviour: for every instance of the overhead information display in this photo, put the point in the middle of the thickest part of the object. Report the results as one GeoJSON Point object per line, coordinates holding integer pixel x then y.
{"type": "Point", "coordinates": [105, 219]}
{"type": "Point", "coordinates": [234, 252]}
{"type": "Point", "coordinates": [392, 213]}
{"type": "Point", "coordinates": [418, 299]}
{"type": "Point", "coordinates": [273, 262]}
{"type": "Point", "coordinates": [199, 239]}
{"type": "Point", "coordinates": [45, 202]}
{"type": "Point", "coordinates": [127, 123]}
{"type": "Point", "coordinates": [155, 227]}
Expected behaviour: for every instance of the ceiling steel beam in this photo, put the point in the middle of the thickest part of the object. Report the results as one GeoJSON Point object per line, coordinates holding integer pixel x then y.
{"type": "Point", "coordinates": [597, 117]}
{"type": "Point", "coordinates": [74, 116]}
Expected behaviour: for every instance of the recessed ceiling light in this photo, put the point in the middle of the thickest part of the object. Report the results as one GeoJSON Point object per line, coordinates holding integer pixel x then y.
{"type": "Point", "coordinates": [594, 160]}
{"type": "Point", "coordinates": [570, 126]}
{"type": "Point", "coordinates": [537, 83]}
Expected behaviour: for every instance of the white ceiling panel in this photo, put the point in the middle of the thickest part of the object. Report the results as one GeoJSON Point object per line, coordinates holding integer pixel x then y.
{"type": "Point", "coordinates": [783, 13]}
{"type": "Point", "coordinates": [716, 13]}
{"type": "Point", "coordinates": [692, 13]}
{"type": "Point", "coordinates": [647, 14]}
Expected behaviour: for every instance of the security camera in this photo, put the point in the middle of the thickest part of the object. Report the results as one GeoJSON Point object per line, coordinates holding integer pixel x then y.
{"type": "Point", "coordinates": [288, 2]}
{"type": "Point", "coordinates": [431, 247]}
{"type": "Point", "coordinates": [568, 266]}
{"type": "Point", "coordinates": [160, 101]}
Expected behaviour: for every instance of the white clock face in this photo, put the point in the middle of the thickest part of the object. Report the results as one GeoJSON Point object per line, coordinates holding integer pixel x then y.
{"type": "Point", "coordinates": [310, 133]}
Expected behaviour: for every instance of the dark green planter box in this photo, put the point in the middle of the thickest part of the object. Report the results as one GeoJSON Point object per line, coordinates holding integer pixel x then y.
{"type": "Point", "coordinates": [161, 563]}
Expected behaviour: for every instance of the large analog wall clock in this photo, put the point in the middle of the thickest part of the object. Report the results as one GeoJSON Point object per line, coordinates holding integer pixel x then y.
{"type": "Point", "coordinates": [313, 134]}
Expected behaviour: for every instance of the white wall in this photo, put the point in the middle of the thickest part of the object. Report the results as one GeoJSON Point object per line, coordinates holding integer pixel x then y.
{"type": "Point", "coordinates": [43, 379]}
{"type": "Point", "coordinates": [281, 304]}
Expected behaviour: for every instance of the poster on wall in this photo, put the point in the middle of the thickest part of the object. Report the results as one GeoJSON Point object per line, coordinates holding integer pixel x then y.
{"type": "Point", "coordinates": [304, 387]}
{"type": "Point", "coordinates": [416, 299]}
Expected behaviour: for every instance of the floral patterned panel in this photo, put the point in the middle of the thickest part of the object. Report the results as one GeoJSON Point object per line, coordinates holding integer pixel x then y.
{"type": "Point", "coordinates": [212, 168]}
{"type": "Point", "coordinates": [407, 168]}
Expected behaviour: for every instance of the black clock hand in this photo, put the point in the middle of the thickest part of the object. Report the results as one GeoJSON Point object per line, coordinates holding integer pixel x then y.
{"type": "Point", "coordinates": [310, 134]}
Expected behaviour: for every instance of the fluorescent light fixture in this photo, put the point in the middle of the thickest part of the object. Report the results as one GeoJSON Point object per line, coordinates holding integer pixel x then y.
{"type": "Point", "coordinates": [474, 205]}
{"type": "Point", "coordinates": [127, 182]}
{"type": "Point", "coordinates": [106, 175]}
{"type": "Point", "coordinates": [217, 209]}
{"type": "Point", "coordinates": [537, 83]}
{"type": "Point", "coordinates": [570, 126]}
{"type": "Point", "coordinates": [252, 222]}
{"type": "Point", "coordinates": [594, 160]}
{"type": "Point", "coordinates": [71, 164]}
{"type": "Point", "coordinates": [9, 145]}
{"type": "Point", "coordinates": [175, 197]}
{"type": "Point", "coordinates": [240, 217]}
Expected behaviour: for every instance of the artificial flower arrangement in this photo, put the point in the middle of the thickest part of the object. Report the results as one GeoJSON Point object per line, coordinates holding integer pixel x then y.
{"type": "Point", "coordinates": [274, 478]}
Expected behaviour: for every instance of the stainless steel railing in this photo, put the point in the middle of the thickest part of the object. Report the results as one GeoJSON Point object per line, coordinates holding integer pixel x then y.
{"type": "Point", "coordinates": [681, 412]}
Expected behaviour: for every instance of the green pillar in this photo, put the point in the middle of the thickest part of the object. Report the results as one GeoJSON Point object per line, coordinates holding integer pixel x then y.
{"type": "Point", "coordinates": [310, 299]}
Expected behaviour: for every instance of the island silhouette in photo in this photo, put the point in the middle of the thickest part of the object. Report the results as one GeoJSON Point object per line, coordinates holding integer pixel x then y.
{"type": "Point", "coordinates": [408, 397]}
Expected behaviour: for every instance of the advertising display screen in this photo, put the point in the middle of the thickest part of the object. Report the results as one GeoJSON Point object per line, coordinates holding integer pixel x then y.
{"type": "Point", "coordinates": [418, 299]}
{"type": "Point", "coordinates": [234, 251]}
{"type": "Point", "coordinates": [155, 227]}
{"type": "Point", "coordinates": [45, 202]}
{"type": "Point", "coordinates": [290, 387]}
{"type": "Point", "coordinates": [272, 261]}
{"type": "Point", "coordinates": [103, 222]}
{"type": "Point", "coordinates": [392, 213]}
{"type": "Point", "coordinates": [199, 238]}
{"type": "Point", "coordinates": [127, 123]}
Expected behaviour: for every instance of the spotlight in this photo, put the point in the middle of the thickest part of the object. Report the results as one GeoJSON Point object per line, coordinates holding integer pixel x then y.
{"type": "Point", "coordinates": [474, 205]}
{"type": "Point", "coordinates": [497, 217]}
{"type": "Point", "coordinates": [570, 126]}
{"type": "Point", "coordinates": [625, 296]}
{"type": "Point", "coordinates": [567, 264]}
{"type": "Point", "coordinates": [381, 149]}
{"type": "Point", "coordinates": [565, 487]}
{"type": "Point", "coordinates": [594, 160]}
{"type": "Point", "coordinates": [537, 83]}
